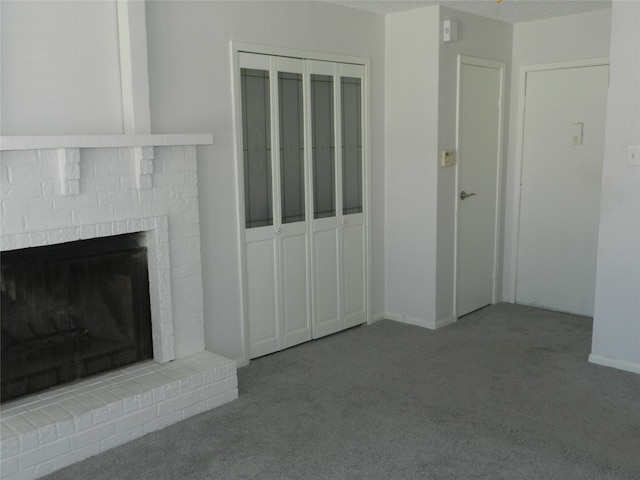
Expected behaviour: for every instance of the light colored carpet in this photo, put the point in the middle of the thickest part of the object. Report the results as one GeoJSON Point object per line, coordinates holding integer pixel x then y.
{"type": "Point", "coordinates": [506, 393]}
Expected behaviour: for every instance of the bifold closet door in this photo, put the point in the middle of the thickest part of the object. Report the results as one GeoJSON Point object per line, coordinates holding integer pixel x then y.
{"type": "Point", "coordinates": [338, 227]}
{"type": "Point", "coordinates": [276, 226]}
{"type": "Point", "coordinates": [352, 181]}
{"type": "Point", "coordinates": [296, 314]}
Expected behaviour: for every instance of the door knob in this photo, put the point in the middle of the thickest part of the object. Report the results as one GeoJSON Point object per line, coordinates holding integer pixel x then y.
{"type": "Point", "coordinates": [464, 195]}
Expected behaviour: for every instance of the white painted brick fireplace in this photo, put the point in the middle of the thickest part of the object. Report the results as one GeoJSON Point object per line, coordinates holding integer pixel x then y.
{"type": "Point", "coordinates": [62, 189]}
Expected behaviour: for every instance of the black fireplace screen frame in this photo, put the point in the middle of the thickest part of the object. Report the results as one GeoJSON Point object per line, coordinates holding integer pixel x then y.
{"type": "Point", "coordinates": [73, 310]}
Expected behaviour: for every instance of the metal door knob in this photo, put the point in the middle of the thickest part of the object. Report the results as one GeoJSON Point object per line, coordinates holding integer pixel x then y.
{"type": "Point", "coordinates": [464, 195]}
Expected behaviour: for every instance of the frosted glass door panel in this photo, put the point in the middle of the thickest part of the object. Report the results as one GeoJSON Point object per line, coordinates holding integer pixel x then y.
{"type": "Point", "coordinates": [256, 148]}
{"type": "Point", "coordinates": [323, 146]}
{"type": "Point", "coordinates": [351, 106]}
{"type": "Point", "coordinates": [291, 147]}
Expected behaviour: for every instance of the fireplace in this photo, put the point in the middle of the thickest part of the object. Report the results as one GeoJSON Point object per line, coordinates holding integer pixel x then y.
{"type": "Point", "coordinates": [79, 194]}
{"type": "Point", "coordinates": [73, 310]}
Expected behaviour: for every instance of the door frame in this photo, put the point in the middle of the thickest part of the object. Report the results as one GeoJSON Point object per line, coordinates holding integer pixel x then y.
{"type": "Point", "coordinates": [235, 47]}
{"type": "Point", "coordinates": [502, 67]}
{"type": "Point", "coordinates": [519, 155]}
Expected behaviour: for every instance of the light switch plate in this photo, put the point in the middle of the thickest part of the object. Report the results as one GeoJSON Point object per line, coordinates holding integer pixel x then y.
{"type": "Point", "coordinates": [633, 156]}
{"type": "Point", "coordinates": [447, 158]}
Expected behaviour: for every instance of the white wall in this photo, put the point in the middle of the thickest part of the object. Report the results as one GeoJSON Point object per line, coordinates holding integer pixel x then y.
{"type": "Point", "coordinates": [190, 90]}
{"type": "Point", "coordinates": [477, 37]}
{"type": "Point", "coordinates": [421, 120]}
{"type": "Point", "coordinates": [573, 37]}
{"type": "Point", "coordinates": [60, 71]}
{"type": "Point", "coordinates": [616, 331]}
{"type": "Point", "coordinates": [412, 51]}
{"type": "Point", "coordinates": [60, 75]}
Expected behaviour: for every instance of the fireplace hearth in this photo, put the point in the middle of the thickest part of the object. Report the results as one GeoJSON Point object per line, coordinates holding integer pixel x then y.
{"type": "Point", "coordinates": [73, 310]}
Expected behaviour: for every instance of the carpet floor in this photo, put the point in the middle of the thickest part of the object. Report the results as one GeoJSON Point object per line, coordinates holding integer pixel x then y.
{"type": "Point", "coordinates": [505, 393]}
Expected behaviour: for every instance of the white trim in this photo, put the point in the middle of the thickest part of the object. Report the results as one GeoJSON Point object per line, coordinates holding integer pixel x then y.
{"type": "Point", "coordinates": [443, 322]}
{"type": "Point", "coordinates": [415, 321]}
{"type": "Point", "coordinates": [236, 108]}
{"type": "Point", "coordinates": [134, 73]}
{"type": "Point", "coordinates": [615, 363]}
{"type": "Point", "coordinates": [517, 177]}
{"type": "Point", "coordinates": [501, 66]}
{"type": "Point", "coordinates": [241, 362]}
{"type": "Point", "coordinates": [366, 167]}
{"type": "Point", "coordinates": [296, 53]}
{"type": "Point", "coordinates": [102, 141]}
{"type": "Point", "coordinates": [418, 322]}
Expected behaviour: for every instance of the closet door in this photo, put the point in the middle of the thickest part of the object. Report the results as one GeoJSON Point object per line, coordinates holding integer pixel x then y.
{"type": "Point", "coordinates": [338, 226]}
{"type": "Point", "coordinates": [352, 219]}
{"type": "Point", "coordinates": [260, 236]}
{"type": "Point", "coordinates": [276, 245]}
{"type": "Point", "coordinates": [292, 226]}
{"type": "Point", "coordinates": [325, 261]}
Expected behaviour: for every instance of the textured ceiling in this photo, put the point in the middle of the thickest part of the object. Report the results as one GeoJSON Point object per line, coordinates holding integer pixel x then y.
{"type": "Point", "coordinates": [511, 11]}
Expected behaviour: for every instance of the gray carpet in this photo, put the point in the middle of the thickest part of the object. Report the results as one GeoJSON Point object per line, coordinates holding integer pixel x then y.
{"type": "Point", "coordinates": [506, 393]}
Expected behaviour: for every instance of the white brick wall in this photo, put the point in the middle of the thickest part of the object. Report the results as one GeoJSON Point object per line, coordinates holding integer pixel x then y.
{"type": "Point", "coordinates": [38, 209]}
{"type": "Point", "coordinates": [55, 195]}
{"type": "Point", "coordinates": [46, 432]}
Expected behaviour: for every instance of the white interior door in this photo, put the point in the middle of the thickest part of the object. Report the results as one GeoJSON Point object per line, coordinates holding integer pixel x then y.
{"type": "Point", "coordinates": [563, 147]}
{"type": "Point", "coordinates": [303, 178]}
{"type": "Point", "coordinates": [261, 249]}
{"type": "Point", "coordinates": [338, 186]}
{"type": "Point", "coordinates": [324, 187]}
{"type": "Point", "coordinates": [351, 174]}
{"type": "Point", "coordinates": [480, 84]}
{"type": "Point", "coordinates": [275, 200]}
{"type": "Point", "coordinates": [292, 225]}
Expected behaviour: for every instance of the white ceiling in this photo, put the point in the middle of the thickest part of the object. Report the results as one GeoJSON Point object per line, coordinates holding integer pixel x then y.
{"type": "Point", "coordinates": [511, 11]}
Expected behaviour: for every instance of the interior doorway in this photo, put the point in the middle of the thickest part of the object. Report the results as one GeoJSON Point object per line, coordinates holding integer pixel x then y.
{"type": "Point", "coordinates": [480, 106]}
{"type": "Point", "coordinates": [562, 153]}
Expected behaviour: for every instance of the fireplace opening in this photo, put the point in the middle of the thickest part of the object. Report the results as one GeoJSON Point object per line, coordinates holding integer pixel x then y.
{"type": "Point", "coordinates": [73, 310]}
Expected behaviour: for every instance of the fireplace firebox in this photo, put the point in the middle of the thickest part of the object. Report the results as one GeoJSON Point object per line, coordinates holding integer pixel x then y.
{"type": "Point", "coordinates": [73, 310]}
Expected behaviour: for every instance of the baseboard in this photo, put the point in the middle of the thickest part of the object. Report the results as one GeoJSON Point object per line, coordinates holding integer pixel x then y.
{"type": "Point", "coordinates": [615, 363]}
{"type": "Point", "coordinates": [443, 322]}
{"type": "Point", "coordinates": [378, 316]}
{"type": "Point", "coordinates": [421, 322]}
{"type": "Point", "coordinates": [241, 362]}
